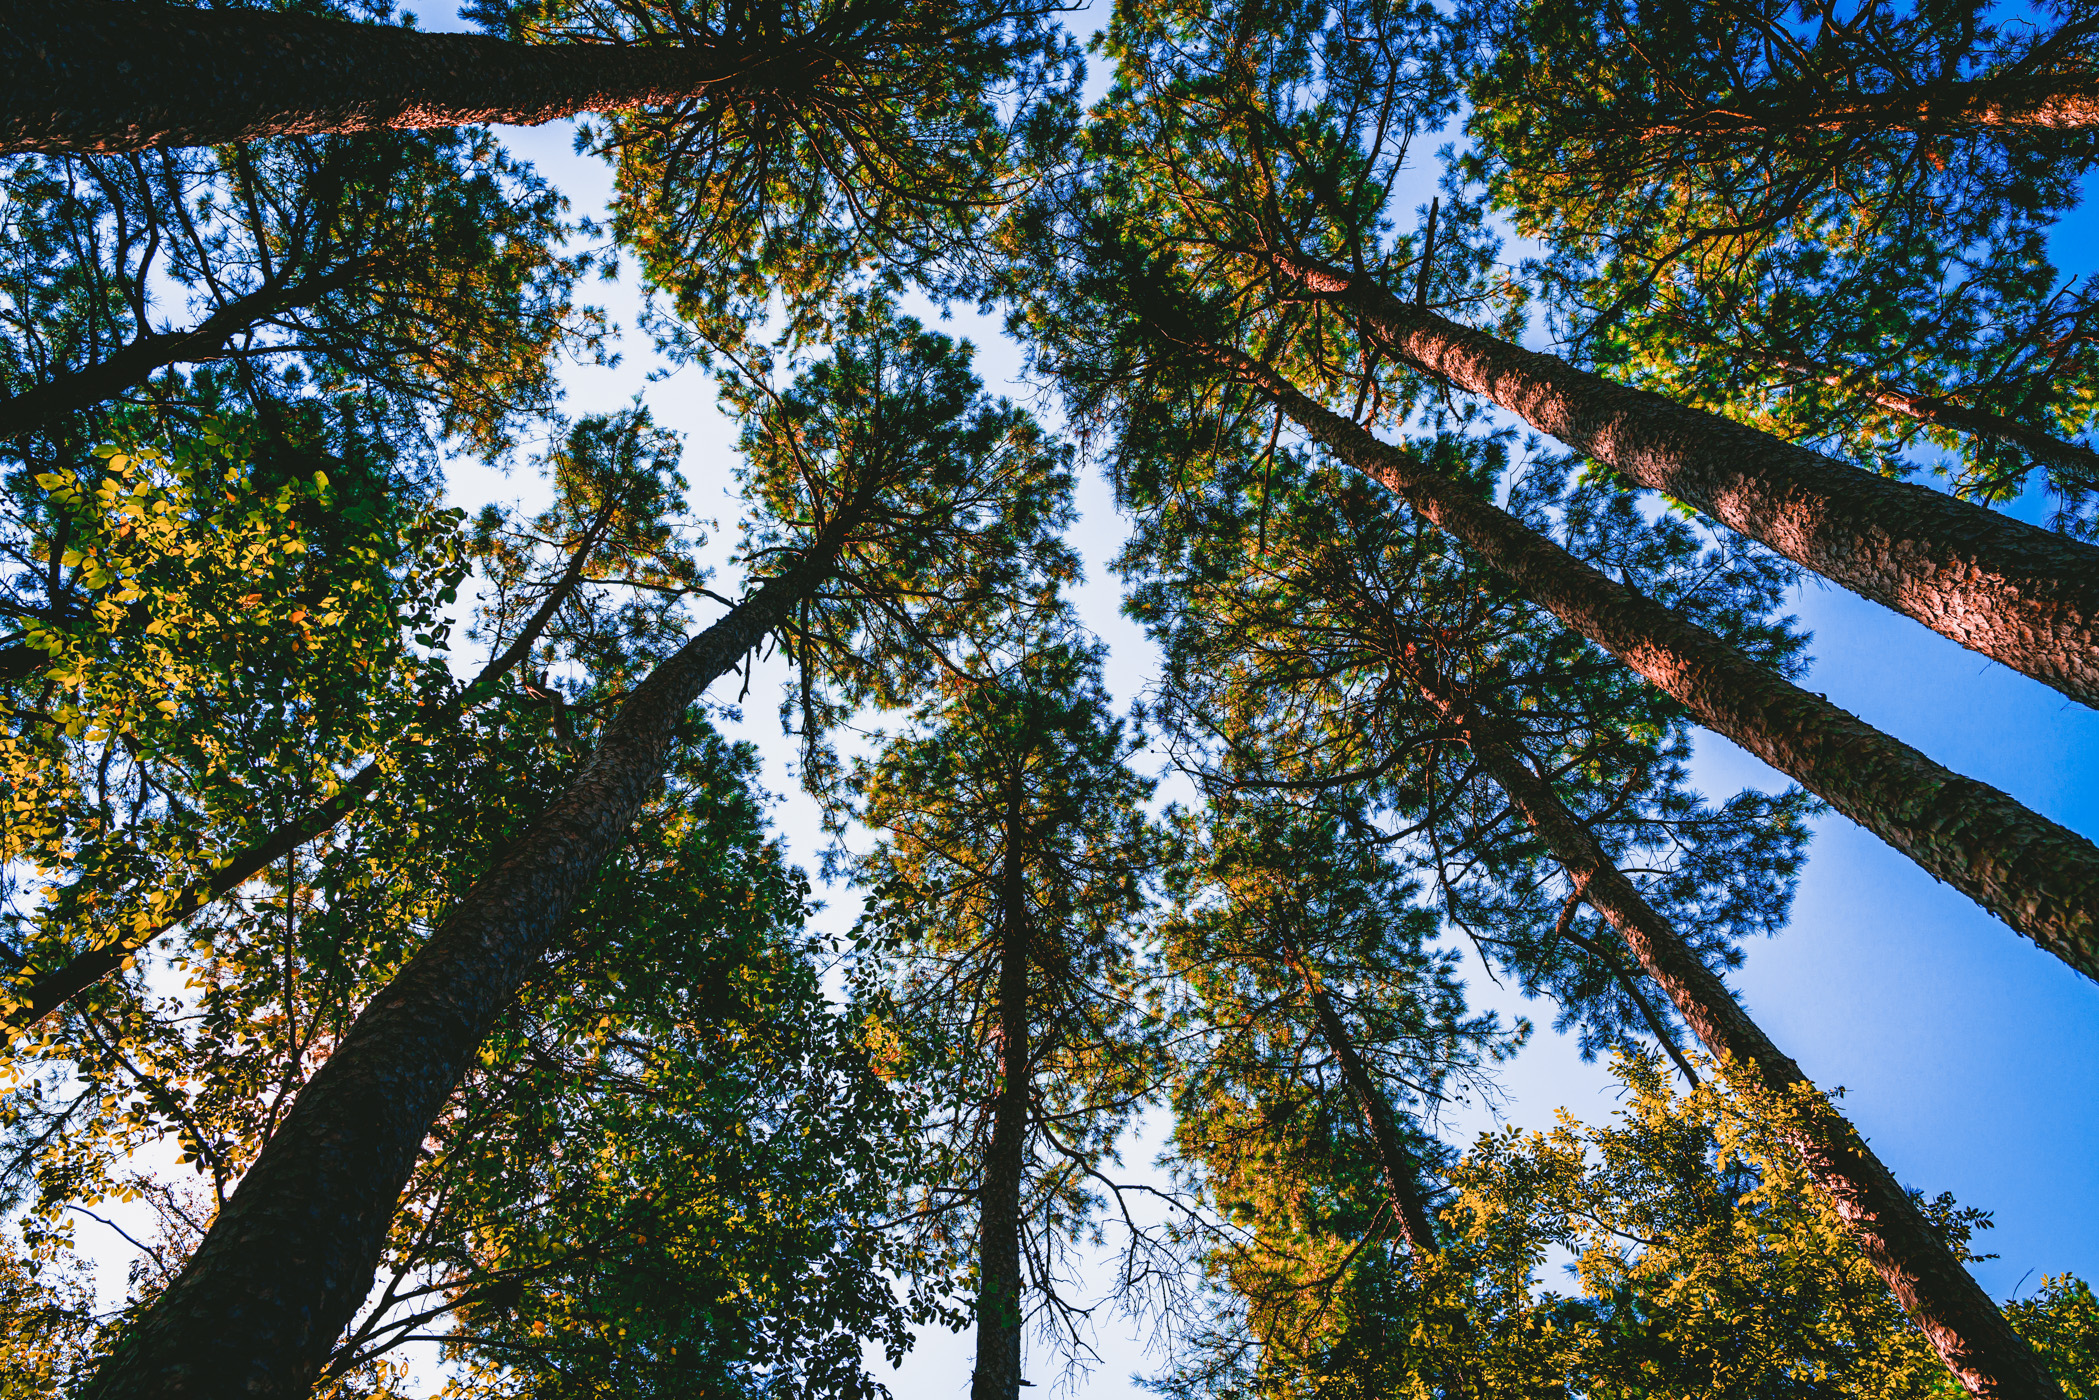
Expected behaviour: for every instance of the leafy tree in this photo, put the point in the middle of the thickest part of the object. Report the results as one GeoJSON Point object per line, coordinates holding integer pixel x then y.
{"type": "Point", "coordinates": [912, 452]}
{"type": "Point", "coordinates": [1008, 881]}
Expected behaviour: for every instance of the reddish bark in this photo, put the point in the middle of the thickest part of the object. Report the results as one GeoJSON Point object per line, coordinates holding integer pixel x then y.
{"type": "Point", "coordinates": [1966, 1329]}
{"type": "Point", "coordinates": [2023, 596]}
{"type": "Point", "coordinates": [2035, 102]}
{"type": "Point", "coordinates": [90, 75]}
{"type": "Point", "coordinates": [285, 1266]}
{"type": "Point", "coordinates": [2037, 876]}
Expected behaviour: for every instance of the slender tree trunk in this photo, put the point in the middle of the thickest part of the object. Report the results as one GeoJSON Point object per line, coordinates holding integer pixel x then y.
{"type": "Point", "coordinates": [155, 350]}
{"type": "Point", "coordinates": [2037, 876]}
{"type": "Point", "coordinates": [1402, 1177]}
{"type": "Point", "coordinates": [998, 1260]}
{"type": "Point", "coordinates": [47, 993]}
{"type": "Point", "coordinates": [1964, 1326]}
{"type": "Point", "coordinates": [90, 75]}
{"type": "Point", "coordinates": [2073, 459]}
{"type": "Point", "coordinates": [2024, 596]}
{"type": "Point", "coordinates": [259, 1306]}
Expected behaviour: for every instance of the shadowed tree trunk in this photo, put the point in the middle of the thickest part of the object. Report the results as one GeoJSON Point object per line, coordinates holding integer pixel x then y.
{"type": "Point", "coordinates": [1966, 1329]}
{"type": "Point", "coordinates": [1402, 1177]}
{"type": "Point", "coordinates": [998, 1259]}
{"type": "Point", "coordinates": [2037, 876]}
{"type": "Point", "coordinates": [47, 993]}
{"type": "Point", "coordinates": [89, 75]}
{"type": "Point", "coordinates": [155, 350]}
{"type": "Point", "coordinates": [2021, 595]}
{"type": "Point", "coordinates": [289, 1259]}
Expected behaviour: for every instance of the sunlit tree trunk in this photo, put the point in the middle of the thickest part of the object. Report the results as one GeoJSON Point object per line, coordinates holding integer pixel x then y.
{"type": "Point", "coordinates": [2036, 102]}
{"type": "Point", "coordinates": [998, 1259]}
{"type": "Point", "coordinates": [1964, 1326]}
{"type": "Point", "coordinates": [89, 75]}
{"type": "Point", "coordinates": [259, 1306]}
{"type": "Point", "coordinates": [2034, 874]}
{"type": "Point", "coordinates": [2024, 596]}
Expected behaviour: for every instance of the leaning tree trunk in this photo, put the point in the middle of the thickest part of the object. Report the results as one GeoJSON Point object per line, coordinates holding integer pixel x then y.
{"type": "Point", "coordinates": [2038, 102]}
{"type": "Point", "coordinates": [2037, 876]}
{"type": "Point", "coordinates": [2076, 461]}
{"type": "Point", "coordinates": [2021, 595]}
{"type": "Point", "coordinates": [1402, 1177]}
{"type": "Point", "coordinates": [43, 994]}
{"type": "Point", "coordinates": [998, 1247]}
{"type": "Point", "coordinates": [133, 364]}
{"type": "Point", "coordinates": [1966, 1329]}
{"type": "Point", "coordinates": [259, 1306]}
{"type": "Point", "coordinates": [90, 75]}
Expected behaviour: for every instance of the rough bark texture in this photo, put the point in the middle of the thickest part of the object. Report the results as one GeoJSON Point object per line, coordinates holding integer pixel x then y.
{"type": "Point", "coordinates": [2037, 876]}
{"type": "Point", "coordinates": [998, 1261]}
{"type": "Point", "coordinates": [1964, 1326]}
{"type": "Point", "coordinates": [1402, 1177]}
{"type": "Point", "coordinates": [2021, 595]}
{"type": "Point", "coordinates": [257, 1309]}
{"type": "Point", "coordinates": [55, 989]}
{"type": "Point", "coordinates": [89, 75]}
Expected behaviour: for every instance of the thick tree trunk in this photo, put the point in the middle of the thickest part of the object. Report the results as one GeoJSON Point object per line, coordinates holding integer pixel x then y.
{"type": "Point", "coordinates": [1402, 1178]}
{"type": "Point", "coordinates": [2037, 876]}
{"type": "Point", "coordinates": [2021, 595]}
{"type": "Point", "coordinates": [998, 1259]}
{"type": "Point", "coordinates": [90, 75]}
{"type": "Point", "coordinates": [2077, 462]}
{"type": "Point", "coordinates": [1964, 1326]}
{"type": "Point", "coordinates": [155, 350]}
{"type": "Point", "coordinates": [258, 1308]}
{"type": "Point", "coordinates": [47, 993]}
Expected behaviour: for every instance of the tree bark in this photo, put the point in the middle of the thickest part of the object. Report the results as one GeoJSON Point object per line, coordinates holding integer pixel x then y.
{"type": "Point", "coordinates": [35, 407]}
{"type": "Point", "coordinates": [46, 994]}
{"type": "Point", "coordinates": [2037, 876]}
{"type": "Point", "coordinates": [2021, 595]}
{"type": "Point", "coordinates": [2036, 102]}
{"type": "Point", "coordinates": [91, 75]}
{"type": "Point", "coordinates": [1402, 1177]}
{"type": "Point", "coordinates": [259, 1306]}
{"type": "Point", "coordinates": [1966, 1329]}
{"type": "Point", "coordinates": [998, 1258]}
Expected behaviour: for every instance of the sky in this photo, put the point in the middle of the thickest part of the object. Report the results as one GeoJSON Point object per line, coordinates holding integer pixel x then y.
{"type": "Point", "coordinates": [1968, 1057]}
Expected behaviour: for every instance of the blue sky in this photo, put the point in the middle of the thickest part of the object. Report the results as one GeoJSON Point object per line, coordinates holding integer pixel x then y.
{"type": "Point", "coordinates": [1967, 1056]}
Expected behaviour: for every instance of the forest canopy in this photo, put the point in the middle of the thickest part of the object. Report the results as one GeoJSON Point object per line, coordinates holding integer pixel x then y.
{"type": "Point", "coordinates": [410, 985]}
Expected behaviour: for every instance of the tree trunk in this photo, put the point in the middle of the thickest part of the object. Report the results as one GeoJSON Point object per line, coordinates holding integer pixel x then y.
{"type": "Point", "coordinates": [2076, 461]}
{"type": "Point", "coordinates": [998, 1258]}
{"type": "Point", "coordinates": [83, 388]}
{"type": "Point", "coordinates": [47, 993]}
{"type": "Point", "coordinates": [259, 1306]}
{"type": "Point", "coordinates": [2037, 876]}
{"type": "Point", "coordinates": [1964, 1326]}
{"type": "Point", "coordinates": [90, 75]}
{"type": "Point", "coordinates": [1402, 1178]}
{"type": "Point", "coordinates": [2039, 102]}
{"type": "Point", "coordinates": [2021, 595]}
